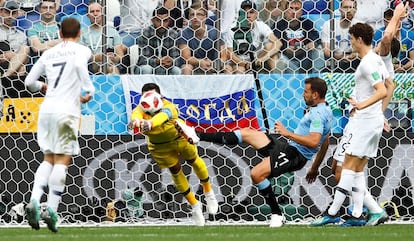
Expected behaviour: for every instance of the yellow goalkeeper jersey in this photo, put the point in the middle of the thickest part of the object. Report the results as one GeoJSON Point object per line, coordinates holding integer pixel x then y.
{"type": "Point", "coordinates": [163, 129]}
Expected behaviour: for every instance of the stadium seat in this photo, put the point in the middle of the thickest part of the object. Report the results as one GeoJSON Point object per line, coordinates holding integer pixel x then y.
{"type": "Point", "coordinates": [315, 7]}
{"type": "Point", "coordinates": [74, 9]}
{"type": "Point", "coordinates": [25, 22]}
{"type": "Point", "coordinates": [318, 20]}
{"type": "Point", "coordinates": [68, 7]}
{"type": "Point", "coordinates": [117, 22]}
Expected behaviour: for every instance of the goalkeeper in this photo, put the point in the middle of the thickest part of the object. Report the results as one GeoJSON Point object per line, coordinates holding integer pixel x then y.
{"type": "Point", "coordinates": [167, 147]}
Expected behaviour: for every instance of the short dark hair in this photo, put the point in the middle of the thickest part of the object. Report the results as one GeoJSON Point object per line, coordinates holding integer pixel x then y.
{"type": "Point", "coordinates": [150, 86]}
{"type": "Point", "coordinates": [70, 28]}
{"type": "Point", "coordinates": [317, 85]}
{"type": "Point", "coordinates": [159, 11]}
{"type": "Point", "coordinates": [199, 6]}
{"type": "Point", "coordinates": [248, 4]}
{"type": "Point", "coordinates": [388, 13]}
{"type": "Point", "coordinates": [363, 31]}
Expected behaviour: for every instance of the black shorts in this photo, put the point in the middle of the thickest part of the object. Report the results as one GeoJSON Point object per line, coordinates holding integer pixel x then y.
{"type": "Point", "coordinates": [284, 158]}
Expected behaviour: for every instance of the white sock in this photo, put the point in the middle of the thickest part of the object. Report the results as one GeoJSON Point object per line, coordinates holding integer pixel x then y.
{"type": "Point", "coordinates": [40, 180]}
{"type": "Point", "coordinates": [370, 203]}
{"type": "Point", "coordinates": [57, 181]}
{"type": "Point", "coordinates": [343, 189]}
{"type": "Point", "coordinates": [358, 193]}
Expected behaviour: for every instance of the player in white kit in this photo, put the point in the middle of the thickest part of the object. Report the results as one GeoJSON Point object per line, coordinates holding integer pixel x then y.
{"type": "Point", "coordinates": [387, 49]}
{"type": "Point", "coordinates": [364, 128]}
{"type": "Point", "coordinates": [65, 67]}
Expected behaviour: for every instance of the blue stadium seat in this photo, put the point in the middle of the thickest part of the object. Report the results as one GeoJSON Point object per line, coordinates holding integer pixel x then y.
{"type": "Point", "coordinates": [315, 7]}
{"type": "Point", "coordinates": [69, 7]}
{"type": "Point", "coordinates": [75, 9]}
{"type": "Point", "coordinates": [25, 22]}
{"type": "Point", "coordinates": [318, 20]}
{"type": "Point", "coordinates": [117, 22]}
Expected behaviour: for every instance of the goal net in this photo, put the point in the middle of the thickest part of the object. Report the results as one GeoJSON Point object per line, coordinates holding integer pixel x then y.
{"type": "Point", "coordinates": [115, 180]}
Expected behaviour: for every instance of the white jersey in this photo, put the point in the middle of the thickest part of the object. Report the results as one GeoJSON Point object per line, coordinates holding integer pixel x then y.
{"type": "Point", "coordinates": [66, 69]}
{"type": "Point", "coordinates": [342, 42]}
{"type": "Point", "coordinates": [370, 72]}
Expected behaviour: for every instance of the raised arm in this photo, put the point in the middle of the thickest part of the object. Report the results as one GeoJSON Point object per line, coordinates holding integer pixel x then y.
{"type": "Point", "coordinates": [392, 29]}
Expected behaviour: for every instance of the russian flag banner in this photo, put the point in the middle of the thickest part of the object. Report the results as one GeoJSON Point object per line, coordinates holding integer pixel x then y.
{"type": "Point", "coordinates": [207, 102]}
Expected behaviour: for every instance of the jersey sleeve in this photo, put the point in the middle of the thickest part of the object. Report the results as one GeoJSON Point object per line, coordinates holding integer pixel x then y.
{"type": "Point", "coordinates": [31, 81]}
{"type": "Point", "coordinates": [264, 29]}
{"type": "Point", "coordinates": [228, 39]}
{"type": "Point", "coordinates": [316, 122]}
{"type": "Point", "coordinates": [83, 73]}
{"type": "Point", "coordinates": [137, 113]}
{"type": "Point", "coordinates": [375, 72]}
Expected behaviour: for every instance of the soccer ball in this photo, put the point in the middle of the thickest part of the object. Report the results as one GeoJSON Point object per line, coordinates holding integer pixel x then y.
{"type": "Point", "coordinates": [151, 102]}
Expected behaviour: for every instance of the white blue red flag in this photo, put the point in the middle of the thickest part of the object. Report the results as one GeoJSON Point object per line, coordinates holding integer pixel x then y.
{"type": "Point", "coordinates": [207, 102]}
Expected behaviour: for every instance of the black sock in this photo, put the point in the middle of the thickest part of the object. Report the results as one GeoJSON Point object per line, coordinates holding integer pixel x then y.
{"type": "Point", "coordinates": [270, 198]}
{"type": "Point", "coordinates": [228, 138]}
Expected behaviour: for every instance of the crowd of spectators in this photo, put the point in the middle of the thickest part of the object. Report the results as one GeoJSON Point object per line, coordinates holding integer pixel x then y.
{"type": "Point", "coordinates": [201, 36]}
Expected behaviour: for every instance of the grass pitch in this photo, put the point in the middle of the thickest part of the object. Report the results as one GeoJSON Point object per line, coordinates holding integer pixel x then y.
{"type": "Point", "coordinates": [388, 232]}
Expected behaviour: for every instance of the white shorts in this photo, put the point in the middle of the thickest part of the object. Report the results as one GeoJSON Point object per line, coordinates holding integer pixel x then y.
{"type": "Point", "coordinates": [364, 135]}
{"type": "Point", "coordinates": [58, 133]}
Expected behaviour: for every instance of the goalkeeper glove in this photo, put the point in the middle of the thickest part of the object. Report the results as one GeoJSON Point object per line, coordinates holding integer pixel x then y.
{"type": "Point", "coordinates": [146, 125]}
{"type": "Point", "coordinates": [135, 123]}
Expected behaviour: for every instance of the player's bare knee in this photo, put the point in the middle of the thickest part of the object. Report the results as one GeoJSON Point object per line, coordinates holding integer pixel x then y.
{"type": "Point", "coordinates": [256, 175]}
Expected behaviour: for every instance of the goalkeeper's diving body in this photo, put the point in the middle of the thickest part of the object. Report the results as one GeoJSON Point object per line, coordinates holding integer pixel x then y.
{"type": "Point", "coordinates": [167, 147]}
{"type": "Point", "coordinates": [309, 138]}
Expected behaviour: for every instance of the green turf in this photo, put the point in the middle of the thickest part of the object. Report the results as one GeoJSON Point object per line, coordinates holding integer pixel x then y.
{"type": "Point", "coordinates": [389, 232]}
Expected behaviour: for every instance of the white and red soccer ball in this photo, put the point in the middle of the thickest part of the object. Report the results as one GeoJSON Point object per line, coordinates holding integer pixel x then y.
{"type": "Point", "coordinates": [151, 102]}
